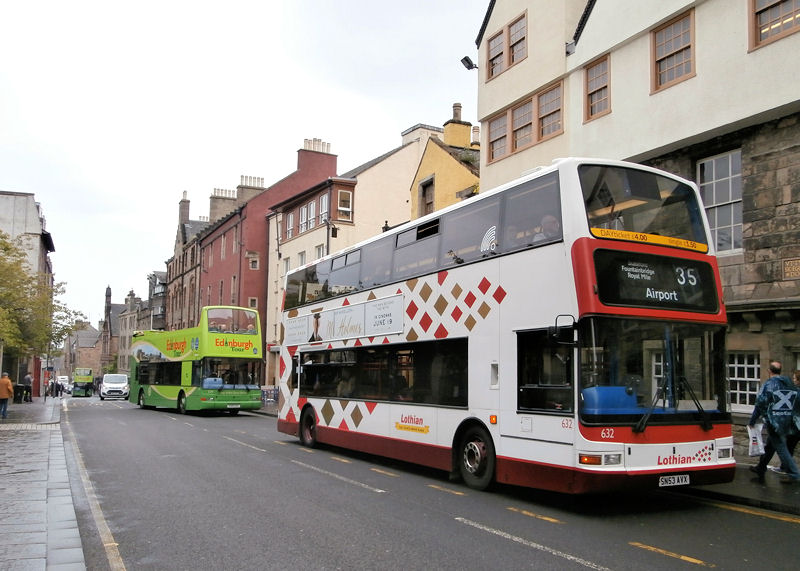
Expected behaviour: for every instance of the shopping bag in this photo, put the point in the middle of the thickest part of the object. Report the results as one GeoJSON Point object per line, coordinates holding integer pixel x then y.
{"type": "Point", "coordinates": [756, 442]}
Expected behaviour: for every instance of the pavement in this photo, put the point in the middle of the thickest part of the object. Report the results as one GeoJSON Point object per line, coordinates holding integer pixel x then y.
{"type": "Point", "coordinates": [39, 528]}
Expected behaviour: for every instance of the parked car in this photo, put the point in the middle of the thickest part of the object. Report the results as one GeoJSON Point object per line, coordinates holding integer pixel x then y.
{"type": "Point", "coordinates": [114, 385]}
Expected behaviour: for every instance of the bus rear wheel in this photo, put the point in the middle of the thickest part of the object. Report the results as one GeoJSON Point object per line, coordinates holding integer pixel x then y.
{"type": "Point", "coordinates": [181, 404]}
{"type": "Point", "coordinates": [477, 458]}
{"type": "Point", "coordinates": [308, 428]}
{"type": "Point", "coordinates": [141, 400]}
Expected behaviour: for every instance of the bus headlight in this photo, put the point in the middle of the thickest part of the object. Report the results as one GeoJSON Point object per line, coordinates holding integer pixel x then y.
{"type": "Point", "coordinates": [612, 459]}
{"type": "Point", "coordinates": [723, 453]}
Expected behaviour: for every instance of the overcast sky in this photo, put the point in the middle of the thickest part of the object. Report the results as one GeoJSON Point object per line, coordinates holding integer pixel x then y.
{"type": "Point", "coordinates": [110, 110]}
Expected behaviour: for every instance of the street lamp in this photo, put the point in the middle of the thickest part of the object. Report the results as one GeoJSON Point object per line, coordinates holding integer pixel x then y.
{"type": "Point", "coordinates": [467, 62]}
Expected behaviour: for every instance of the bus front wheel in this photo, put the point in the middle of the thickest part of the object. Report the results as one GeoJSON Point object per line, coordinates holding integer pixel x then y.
{"type": "Point", "coordinates": [141, 400]}
{"type": "Point", "coordinates": [308, 428]}
{"type": "Point", "coordinates": [181, 404]}
{"type": "Point", "coordinates": [477, 458]}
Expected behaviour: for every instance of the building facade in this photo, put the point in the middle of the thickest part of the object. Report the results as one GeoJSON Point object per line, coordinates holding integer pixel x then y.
{"type": "Point", "coordinates": [22, 219]}
{"type": "Point", "coordinates": [432, 167]}
{"type": "Point", "coordinates": [696, 88]}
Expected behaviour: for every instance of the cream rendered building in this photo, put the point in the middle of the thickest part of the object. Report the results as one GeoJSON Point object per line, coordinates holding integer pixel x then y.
{"type": "Point", "coordinates": [704, 89]}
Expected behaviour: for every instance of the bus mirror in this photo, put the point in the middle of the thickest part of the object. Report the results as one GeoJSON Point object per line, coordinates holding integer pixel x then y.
{"type": "Point", "coordinates": [562, 332]}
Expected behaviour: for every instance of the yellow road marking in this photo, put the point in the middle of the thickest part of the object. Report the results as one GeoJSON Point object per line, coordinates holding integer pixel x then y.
{"type": "Point", "coordinates": [535, 515]}
{"type": "Point", "coordinates": [342, 460]}
{"type": "Point", "coordinates": [759, 513]}
{"type": "Point", "coordinates": [448, 490]}
{"type": "Point", "coordinates": [385, 473]}
{"type": "Point", "coordinates": [685, 558]}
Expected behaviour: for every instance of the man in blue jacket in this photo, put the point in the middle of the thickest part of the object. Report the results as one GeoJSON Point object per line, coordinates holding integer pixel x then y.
{"type": "Point", "coordinates": [776, 404]}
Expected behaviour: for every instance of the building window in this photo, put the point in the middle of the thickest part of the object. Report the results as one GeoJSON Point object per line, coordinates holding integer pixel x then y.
{"type": "Point", "coordinates": [497, 138]}
{"type": "Point", "coordinates": [289, 225]}
{"type": "Point", "coordinates": [346, 205]}
{"type": "Point", "coordinates": [253, 263]}
{"type": "Point", "coordinates": [235, 244]}
{"type": "Point", "coordinates": [301, 258]}
{"type": "Point", "coordinates": [221, 288]}
{"type": "Point", "coordinates": [233, 290]}
{"type": "Point", "coordinates": [319, 251]}
{"type": "Point", "coordinates": [744, 374]}
{"type": "Point", "coordinates": [323, 208]}
{"type": "Point", "coordinates": [673, 53]}
{"type": "Point", "coordinates": [496, 55]}
{"type": "Point", "coordinates": [303, 219]}
{"type": "Point", "coordinates": [515, 36]}
{"type": "Point", "coordinates": [720, 181]}
{"type": "Point", "coordinates": [598, 101]}
{"type": "Point", "coordinates": [312, 215]}
{"type": "Point", "coordinates": [252, 302]}
{"type": "Point", "coordinates": [426, 197]}
{"type": "Point", "coordinates": [550, 112]}
{"type": "Point", "coordinates": [545, 105]}
{"type": "Point", "coordinates": [773, 20]}
{"type": "Point", "coordinates": [522, 122]}
{"type": "Point", "coordinates": [287, 265]}
{"type": "Point", "coordinates": [222, 243]}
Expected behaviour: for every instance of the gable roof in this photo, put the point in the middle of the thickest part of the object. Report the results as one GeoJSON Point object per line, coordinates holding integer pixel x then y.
{"type": "Point", "coordinates": [468, 157]}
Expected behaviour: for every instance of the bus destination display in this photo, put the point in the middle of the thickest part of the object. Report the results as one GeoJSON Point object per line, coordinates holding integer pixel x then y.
{"type": "Point", "coordinates": [643, 280]}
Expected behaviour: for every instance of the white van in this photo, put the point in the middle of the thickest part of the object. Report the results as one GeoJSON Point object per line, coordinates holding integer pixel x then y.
{"type": "Point", "coordinates": [114, 385]}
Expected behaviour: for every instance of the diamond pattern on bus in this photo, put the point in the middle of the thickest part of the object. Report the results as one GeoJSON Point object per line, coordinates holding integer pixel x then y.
{"type": "Point", "coordinates": [327, 412]}
{"type": "Point", "coordinates": [441, 305]}
{"type": "Point", "coordinates": [425, 292]}
{"type": "Point", "coordinates": [425, 322]}
{"type": "Point", "coordinates": [356, 416]}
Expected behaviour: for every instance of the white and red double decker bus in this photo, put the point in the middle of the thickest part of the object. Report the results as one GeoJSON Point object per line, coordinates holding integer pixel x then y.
{"type": "Point", "coordinates": [565, 331]}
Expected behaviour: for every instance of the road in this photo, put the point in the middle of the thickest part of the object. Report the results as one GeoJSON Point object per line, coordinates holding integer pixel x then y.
{"type": "Point", "coordinates": [156, 490]}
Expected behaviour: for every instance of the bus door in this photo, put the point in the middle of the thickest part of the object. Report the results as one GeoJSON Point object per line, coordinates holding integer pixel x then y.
{"type": "Point", "coordinates": [544, 402]}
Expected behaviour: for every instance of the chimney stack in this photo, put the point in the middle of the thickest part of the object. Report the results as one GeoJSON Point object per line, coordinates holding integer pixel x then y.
{"type": "Point", "coordinates": [183, 210]}
{"type": "Point", "coordinates": [456, 111]}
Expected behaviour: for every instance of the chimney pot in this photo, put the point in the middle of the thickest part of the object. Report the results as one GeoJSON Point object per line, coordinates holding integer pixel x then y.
{"type": "Point", "coordinates": [457, 111]}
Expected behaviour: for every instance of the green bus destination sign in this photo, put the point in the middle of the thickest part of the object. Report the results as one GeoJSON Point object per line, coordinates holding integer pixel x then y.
{"type": "Point", "coordinates": [644, 280]}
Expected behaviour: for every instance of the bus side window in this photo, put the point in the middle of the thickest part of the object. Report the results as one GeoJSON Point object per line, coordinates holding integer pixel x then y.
{"type": "Point", "coordinates": [544, 373]}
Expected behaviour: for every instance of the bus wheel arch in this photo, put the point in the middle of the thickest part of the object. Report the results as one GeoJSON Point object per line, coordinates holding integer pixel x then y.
{"type": "Point", "coordinates": [474, 456]}
{"type": "Point", "coordinates": [307, 430]}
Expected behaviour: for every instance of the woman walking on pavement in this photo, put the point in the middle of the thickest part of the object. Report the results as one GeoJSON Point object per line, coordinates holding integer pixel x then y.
{"type": "Point", "coordinates": [6, 392]}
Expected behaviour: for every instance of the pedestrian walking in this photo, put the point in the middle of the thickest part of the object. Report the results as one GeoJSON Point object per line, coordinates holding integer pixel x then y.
{"type": "Point", "coordinates": [27, 383]}
{"type": "Point", "coordinates": [6, 392]}
{"type": "Point", "coordinates": [776, 403]}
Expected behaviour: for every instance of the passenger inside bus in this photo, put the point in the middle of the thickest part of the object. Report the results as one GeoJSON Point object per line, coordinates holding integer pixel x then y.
{"type": "Point", "coordinates": [346, 384]}
{"type": "Point", "coordinates": [550, 229]}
